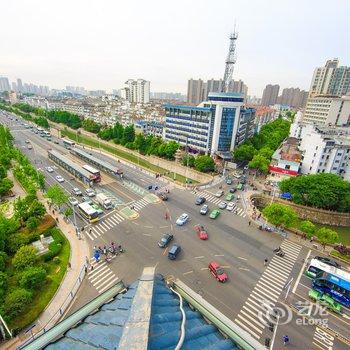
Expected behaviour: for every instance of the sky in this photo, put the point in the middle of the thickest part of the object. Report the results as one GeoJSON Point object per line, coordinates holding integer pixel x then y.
{"type": "Point", "coordinates": [101, 44]}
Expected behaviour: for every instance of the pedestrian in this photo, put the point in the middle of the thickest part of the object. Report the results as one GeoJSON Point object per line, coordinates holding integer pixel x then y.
{"type": "Point", "coordinates": [86, 268]}
{"type": "Point", "coordinates": [91, 267]}
{"type": "Point", "coordinates": [69, 265]}
{"type": "Point", "coordinates": [249, 223]}
{"type": "Point", "coordinates": [90, 230]}
{"type": "Point", "coordinates": [265, 262]}
{"type": "Point", "coordinates": [285, 339]}
{"type": "Point", "coordinates": [259, 216]}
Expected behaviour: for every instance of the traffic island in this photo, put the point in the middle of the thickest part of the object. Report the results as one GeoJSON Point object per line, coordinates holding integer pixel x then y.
{"type": "Point", "coordinates": [129, 213]}
{"type": "Point", "coordinates": [152, 198]}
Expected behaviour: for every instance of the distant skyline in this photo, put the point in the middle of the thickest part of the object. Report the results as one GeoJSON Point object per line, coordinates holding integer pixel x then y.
{"type": "Point", "coordinates": [99, 45]}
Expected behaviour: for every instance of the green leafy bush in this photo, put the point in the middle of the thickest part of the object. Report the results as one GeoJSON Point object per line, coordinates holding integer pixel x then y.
{"type": "Point", "coordinates": [24, 257]}
{"type": "Point", "coordinates": [16, 302]}
{"type": "Point", "coordinates": [32, 277]}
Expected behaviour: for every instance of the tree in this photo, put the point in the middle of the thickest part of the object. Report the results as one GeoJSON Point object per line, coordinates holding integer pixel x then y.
{"type": "Point", "coordinates": [68, 212]}
{"type": "Point", "coordinates": [188, 160]}
{"type": "Point", "coordinates": [32, 223]}
{"type": "Point", "coordinates": [28, 207]}
{"type": "Point", "coordinates": [16, 302]}
{"type": "Point", "coordinates": [170, 149]}
{"type": "Point", "coordinates": [204, 164]}
{"type": "Point", "coordinates": [25, 256]}
{"type": "Point", "coordinates": [3, 172]}
{"type": "Point", "coordinates": [327, 236]}
{"type": "Point", "coordinates": [325, 191]}
{"type": "Point", "coordinates": [56, 195]}
{"type": "Point", "coordinates": [118, 131]}
{"type": "Point", "coordinates": [280, 215]}
{"type": "Point", "coordinates": [3, 259]}
{"type": "Point", "coordinates": [3, 284]}
{"type": "Point", "coordinates": [140, 143]}
{"type": "Point", "coordinates": [32, 277]}
{"type": "Point", "coordinates": [308, 228]}
{"type": "Point", "coordinates": [5, 186]}
{"type": "Point", "coordinates": [266, 152]}
{"type": "Point", "coordinates": [244, 153]}
{"type": "Point", "coordinates": [91, 126]}
{"type": "Point", "coordinates": [128, 134]}
{"type": "Point", "coordinates": [259, 162]}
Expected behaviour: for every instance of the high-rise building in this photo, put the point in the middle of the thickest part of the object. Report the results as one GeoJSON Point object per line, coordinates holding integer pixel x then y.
{"type": "Point", "coordinates": [270, 95]}
{"type": "Point", "coordinates": [19, 85]}
{"type": "Point", "coordinates": [330, 79]}
{"type": "Point", "coordinates": [293, 97]}
{"type": "Point", "coordinates": [14, 86]}
{"type": "Point", "coordinates": [4, 84]}
{"type": "Point", "coordinates": [216, 125]}
{"type": "Point", "coordinates": [195, 91]}
{"type": "Point", "coordinates": [239, 87]}
{"type": "Point", "coordinates": [138, 91]}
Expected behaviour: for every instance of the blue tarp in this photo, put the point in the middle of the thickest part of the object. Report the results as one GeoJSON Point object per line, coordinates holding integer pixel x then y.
{"type": "Point", "coordinates": [286, 195]}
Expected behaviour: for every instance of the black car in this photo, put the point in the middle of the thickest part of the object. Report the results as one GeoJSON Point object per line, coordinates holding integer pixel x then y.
{"type": "Point", "coordinates": [200, 200]}
{"type": "Point", "coordinates": [328, 261]}
{"type": "Point", "coordinates": [164, 241]}
{"type": "Point", "coordinates": [233, 190]}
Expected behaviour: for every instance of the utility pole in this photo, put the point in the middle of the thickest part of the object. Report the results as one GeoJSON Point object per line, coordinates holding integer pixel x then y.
{"type": "Point", "coordinates": [230, 62]}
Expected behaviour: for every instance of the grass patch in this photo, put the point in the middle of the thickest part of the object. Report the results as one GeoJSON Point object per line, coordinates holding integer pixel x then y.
{"type": "Point", "coordinates": [125, 155]}
{"type": "Point", "coordinates": [55, 273]}
{"type": "Point", "coordinates": [338, 255]}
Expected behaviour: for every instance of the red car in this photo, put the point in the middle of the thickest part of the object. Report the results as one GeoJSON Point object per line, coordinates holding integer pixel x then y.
{"type": "Point", "coordinates": [201, 232]}
{"type": "Point", "coordinates": [217, 271]}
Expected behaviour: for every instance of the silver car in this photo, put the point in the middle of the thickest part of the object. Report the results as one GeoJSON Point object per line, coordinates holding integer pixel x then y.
{"type": "Point", "coordinates": [182, 219]}
{"type": "Point", "coordinates": [222, 205]}
{"type": "Point", "coordinates": [59, 178]}
{"type": "Point", "coordinates": [73, 201]}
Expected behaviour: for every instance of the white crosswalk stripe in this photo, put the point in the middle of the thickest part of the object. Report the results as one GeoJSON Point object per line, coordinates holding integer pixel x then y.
{"type": "Point", "coordinates": [103, 226]}
{"type": "Point", "coordinates": [140, 204]}
{"type": "Point", "coordinates": [254, 314]}
{"type": "Point", "coordinates": [101, 276]}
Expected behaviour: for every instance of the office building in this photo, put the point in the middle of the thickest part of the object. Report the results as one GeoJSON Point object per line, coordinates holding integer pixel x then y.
{"type": "Point", "coordinates": [4, 84]}
{"type": "Point", "coordinates": [270, 95]}
{"type": "Point", "coordinates": [19, 85]}
{"type": "Point", "coordinates": [136, 91]}
{"type": "Point", "coordinates": [327, 110]}
{"type": "Point", "coordinates": [216, 126]}
{"type": "Point", "coordinates": [324, 149]}
{"type": "Point", "coordinates": [150, 127]}
{"type": "Point", "coordinates": [330, 79]}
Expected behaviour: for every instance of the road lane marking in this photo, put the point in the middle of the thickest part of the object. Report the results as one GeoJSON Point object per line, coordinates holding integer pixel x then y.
{"type": "Point", "coordinates": [243, 268]}
{"type": "Point", "coordinates": [250, 324]}
{"type": "Point", "coordinates": [226, 266]}
{"type": "Point", "coordinates": [247, 329]}
{"type": "Point", "coordinates": [147, 234]}
{"type": "Point", "coordinates": [239, 257]}
{"type": "Point", "coordinates": [163, 226]}
{"type": "Point", "coordinates": [199, 257]}
{"type": "Point", "coordinates": [219, 255]}
{"type": "Point", "coordinates": [188, 272]}
{"type": "Point", "coordinates": [301, 272]}
{"type": "Point", "coordinates": [155, 266]}
{"type": "Point", "coordinates": [109, 284]}
{"type": "Point", "coordinates": [205, 268]}
{"type": "Point", "coordinates": [148, 226]}
{"type": "Point", "coordinates": [165, 250]}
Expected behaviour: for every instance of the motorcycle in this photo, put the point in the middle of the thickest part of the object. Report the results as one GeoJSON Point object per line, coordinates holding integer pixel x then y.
{"type": "Point", "coordinates": [279, 252]}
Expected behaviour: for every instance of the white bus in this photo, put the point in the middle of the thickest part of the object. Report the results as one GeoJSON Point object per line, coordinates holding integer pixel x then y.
{"type": "Point", "coordinates": [88, 212]}
{"type": "Point", "coordinates": [96, 173]}
{"type": "Point", "coordinates": [68, 144]}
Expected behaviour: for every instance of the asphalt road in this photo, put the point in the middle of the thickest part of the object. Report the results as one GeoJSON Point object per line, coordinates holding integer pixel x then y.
{"type": "Point", "coordinates": [239, 247]}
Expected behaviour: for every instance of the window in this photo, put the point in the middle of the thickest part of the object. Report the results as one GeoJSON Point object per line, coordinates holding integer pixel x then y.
{"type": "Point", "coordinates": [337, 161]}
{"type": "Point", "coordinates": [310, 167]}
{"type": "Point", "coordinates": [322, 157]}
{"type": "Point", "coordinates": [318, 170]}
{"type": "Point", "coordinates": [334, 168]}
{"type": "Point", "coordinates": [314, 154]}
{"type": "Point", "coordinates": [287, 167]}
{"type": "Point", "coordinates": [321, 164]}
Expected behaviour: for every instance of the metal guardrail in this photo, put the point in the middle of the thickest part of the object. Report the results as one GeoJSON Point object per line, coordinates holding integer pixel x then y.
{"type": "Point", "coordinates": [60, 312]}
{"type": "Point", "coordinates": [242, 338]}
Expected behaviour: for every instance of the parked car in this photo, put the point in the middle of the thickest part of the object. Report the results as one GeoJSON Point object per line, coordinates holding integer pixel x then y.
{"type": "Point", "coordinates": [27, 141]}
{"type": "Point", "coordinates": [90, 192]}
{"type": "Point", "coordinates": [30, 146]}
{"type": "Point", "coordinates": [201, 232]}
{"type": "Point", "coordinates": [328, 261]}
{"type": "Point", "coordinates": [222, 205]}
{"type": "Point", "coordinates": [165, 240]}
{"type": "Point", "coordinates": [73, 201]}
{"type": "Point", "coordinates": [217, 271]}
{"type": "Point", "coordinates": [182, 219]}
{"type": "Point", "coordinates": [76, 191]}
{"type": "Point", "coordinates": [229, 181]}
{"type": "Point", "coordinates": [230, 206]}
{"type": "Point", "coordinates": [174, 251]}
{"type": "Point", "coordinates": [59, 178]}
{"type": "Point", "coordinates": [214, 214]}
{"type": "Point", "coordinates": [200, 200]}
{"type": "Point", "coordinates": [219, 193]}
{"type": "Point", "coordinates": [204, 210]}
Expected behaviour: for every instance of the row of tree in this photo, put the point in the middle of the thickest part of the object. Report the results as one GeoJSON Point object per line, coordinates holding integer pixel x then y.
{"type": "Point", "coordinates": [284, 216]}
{"type": "Point", "coordinates": [5, 161]}
{"type": "Point", "coordinates": [257, 151]}
{"type": "Point", "coordinates": [324, 191]}
{"type": "Point", "coordinates": [203, 163]}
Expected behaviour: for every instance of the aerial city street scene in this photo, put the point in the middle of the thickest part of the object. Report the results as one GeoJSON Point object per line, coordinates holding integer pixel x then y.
{"type": "Point", "coordinates": [175, 175]}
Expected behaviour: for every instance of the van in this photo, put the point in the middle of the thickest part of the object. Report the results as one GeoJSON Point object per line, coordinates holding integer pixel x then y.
{"type": "Point", "coordinates": [174, 251]}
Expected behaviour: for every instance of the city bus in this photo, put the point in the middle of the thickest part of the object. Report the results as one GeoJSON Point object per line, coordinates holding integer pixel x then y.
{"type": "Point", "coordinates": [88, 212]}
{"type": "Point", "coordinates": [96, 176]}
{"type": "Point", "coordinates": [68, 144]}
{"type": "Point", "coordinates": [330, 280]}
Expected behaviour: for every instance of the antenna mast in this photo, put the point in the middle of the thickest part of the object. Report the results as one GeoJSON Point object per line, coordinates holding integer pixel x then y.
{"type": "Point", "coordinates": [230, 61]}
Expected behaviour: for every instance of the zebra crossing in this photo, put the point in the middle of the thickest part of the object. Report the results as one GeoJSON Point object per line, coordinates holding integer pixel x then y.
{"type": "Point", "coordinates": [101, 275]}
{"type": "Point", "coordinates": [134, 188]}
{"type": "Point", "coordinates": [104, 225]}
{"type": "Point", "coordinates": [116, 201]}
{"type": "Point", "coordinates": [256, 313]}
{"type": "Point", "coordinates": [140, 204]}
{"type": "Point", "coordinates": [211, 198]}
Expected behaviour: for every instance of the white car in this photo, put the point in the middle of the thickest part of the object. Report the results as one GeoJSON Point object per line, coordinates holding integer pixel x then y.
{"type": "Point", "coordinates": [218, 194]}
{"type": "Point", "coordinates": [49, 169]}
{"type": "Point", "coordinates": [90, 192]}
{"type": "Point", "coordinates": [73, 201]}
{"type": "Point", "coordinates": [230, 206]}
{"type": "Point", "coordinates": [182, 219]}
{"type": "Point", "coordinates": [59, 178]}
{"type": "Point", "coordinates": [76, 191]}
{"type": "Point", "coordinates": [222, 205]}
